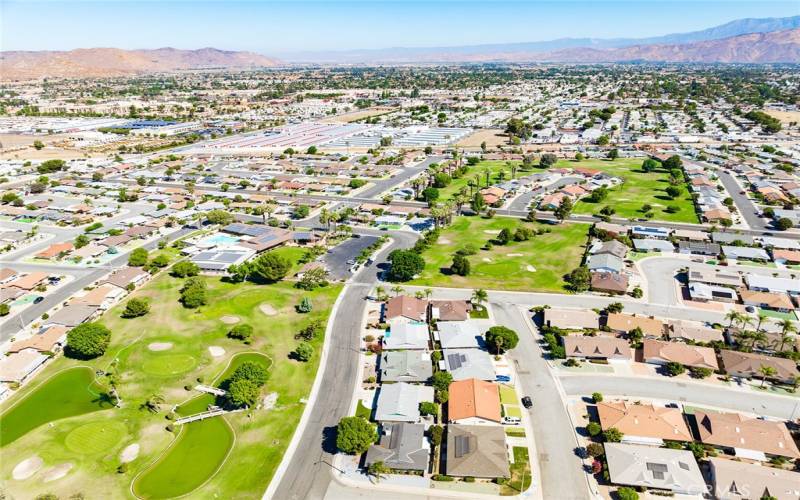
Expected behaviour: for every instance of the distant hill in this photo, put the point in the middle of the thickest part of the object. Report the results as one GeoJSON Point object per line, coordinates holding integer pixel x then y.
{"type": "Point", "coordinates": [107, 62]}
{"type": "Point", "coordinates": [524, 51]}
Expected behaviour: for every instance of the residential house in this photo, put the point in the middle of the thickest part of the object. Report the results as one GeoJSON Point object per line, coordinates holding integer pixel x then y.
{"type": "Point", "coordinates": [612, 229]}
{"type": "Point", "coordinates": [624, 323]}
{"type": "Point", "coordinates": [473, 401]}
{"type": "Point", "coordinates": [745, 253]}
{"type": "Point", "coordinates": [612, 247]}
{"type": "Point", "coordinates": [571, 319]}
{"type": "Point", "coordinates": [659, 352]}
{"type": "Point", "coordinates": [402, 446]}
{"type": "Point", "coordinates": [406, 308]}
{"type": "Point", "coordinates": [7, 275]}
{"type": "Point", "coordinates": [736, 480]}
{"type": "Point", "coordinates": [764, 283]}
{"type": "Point", "coordinates": [72, 315]}
{"type": "Point", "coordinates": [17, 367]}
{"type": "Point", "coordinates": [748, 365]}
{"type": "Point", "coordinates": [644, 423]}
{"type": "Point", "coordinates": [660, 233]}
{"type": "Point", "coordinates": [692, 331]}
{"type": "Point", "coordinates": [657, 468]}
{"type": "Point", "coordinates": [698, 248]}
{"type": "Point", "coordinates": [400, 402]}
{"type": "Point", "coordinates": [652, 245]}
{"type": "Point", "coordinates": [404, 335]}
{"type": "Point", "coordinates": [126, 276]}
{"type": "Point", "coordinates": [476, 451]}
{"type": "Point", "coordinates": [459, 334]}
{"type": "Point", "coordinates": [711, 277]}
{"type": "Point", "coordinates": [29, 281]}
{"type": "Point", "coordinates": [450, 310]}
{"type": "Point", "coordinates": [405, 366]}
{"type": "Point", "coordinates": [702, 292]}
{"type": "Point", "coordinates": [728, 238]}
{"type": "Point", "coordinates": [468, 363]}
{"type": "Point", "coordinates": [751, 438]}
{"type": "Point", "coordinates": [50, 340]}
{"type": "Point", "coordinates": [605, 263]}
{"type": "Point", "coordinates": [597, 347]}
{"type": "Point", "coordinates": [102, 297]}
{"type": "Point", "coordinates": [766, 300]}
{"type": "Point", "coordinates": [56, 250]}
{"type": "Point", "coordinates": [786, 257]}
{"type": "Point", "coordinates": [690, 235]}
{"type": "Point", "coordinates": [609, 283]}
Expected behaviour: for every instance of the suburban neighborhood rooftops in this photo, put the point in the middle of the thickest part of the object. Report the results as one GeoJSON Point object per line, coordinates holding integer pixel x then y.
{"type": "Point", "coordinates": [450, 310]}
{"type": "Point", "coordinates": [402, 446]}
{"type": "Point", "coordinates": [469, 363]}
{"type": "Point", "coordinates": [690, 330]}
{"type": "Point", "coordinates": [600, 346]}
{"type": "Point", "coordinates": [643, 420]}
{"type": "Point", "coordinates": [400, 402]}
{"type": "Point", "coordinates": [622, 322]}
{"type": "Point", "coordinates": [473, 398]}
{"type": "Point", "coordinates": [571, 319]}
{"type": "Point", "coordinates": [407, 307]}
{"type": "Point", "coordinates": [661, 468]}
{"type": "Point", "coordinates": [677, 352]}
{"type": "Point", "coordinates": [747, 364]}
{"type": "Point", "coordinates": [405, 366]}
{"type": "Point", "coordinates": [459, 334]}
{"type": "Point", "coordinates": [404, 335]}
{"type": "Point", "coordinates": [734, 480]}
{"type": "Point", "coordinates": [476, 451]}
{"type": "Point", "coordinates": [733, 430]}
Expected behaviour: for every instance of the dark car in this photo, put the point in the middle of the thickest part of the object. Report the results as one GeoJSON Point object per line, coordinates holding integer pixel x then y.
{"type": "Point", "coordinates": [526, 402]}
{"type": "Point", "coordinates": [38, 299]}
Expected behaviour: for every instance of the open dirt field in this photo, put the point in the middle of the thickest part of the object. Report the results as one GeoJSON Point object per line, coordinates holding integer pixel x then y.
{"type": "Point", "coordinates": [490, 135]}
{"type": "Point", "coordinates": [359, 114]}
{"type": "Point", "coordinates": [785, 116]}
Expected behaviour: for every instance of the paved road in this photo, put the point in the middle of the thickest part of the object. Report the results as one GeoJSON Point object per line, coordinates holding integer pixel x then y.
{"type": "Point", "coordinates": [337, 257]}
{"type": "Point", "coordinates": [308, 473]}
{"type": "Point", "coordinates": [745, 206]}
{"type": "Point", "coordinates": [521, 202]}
{"type": "Point", "coordinates": [17, 322]}
{"type": "Point", "coordinates": [561, 470]}
{"type": "Point", "coordinates": [685, 392]}
{"type": "Point", "coordinates": [381, 186]}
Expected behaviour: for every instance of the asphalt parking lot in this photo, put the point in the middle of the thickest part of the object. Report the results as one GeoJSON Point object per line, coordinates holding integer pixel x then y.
{"type": "Point", "coordinates": [337, 258]}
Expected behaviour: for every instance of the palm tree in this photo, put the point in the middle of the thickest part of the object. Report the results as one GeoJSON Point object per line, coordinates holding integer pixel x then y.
{"type": "Point", "coordinates": [428, 292]}
{"type": "Point", "coordinates": [757, 337]}
{"type": "Point", "coordinates": [377, 470]}
{"type": "Point", "coordinates": [479, 296]}
{"type": "Point", "coordinates": [397, 290]}
{"type": "Point", "coordinates": [733, 317]}
{"type": "Point", "coordinates": [787, 328]}
{"type": "Point", "coordinates": [766, 372]}
{"type": "Point", "coordinates": [325, 218]}
{"type": "Point", "coordinates": [745, 321]}
{"type": "Point", "coordinates": [419, 294]}
{"type": "Point", "coordinates": [380, 293]}
{"type": "Point", "coordinates": [269, 209]}
{"type": "Point", "coordinates": [761, 318]}
{"type": "Point", "coordinates": [513, 170]}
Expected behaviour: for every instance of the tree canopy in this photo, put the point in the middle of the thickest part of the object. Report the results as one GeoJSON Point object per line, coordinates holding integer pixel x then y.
{"type": "Point", "coordinates": [501, 338]}
{"type": "Point", "coordinates": [354, 435]}
{"type": "Point", "coordinates": [88, 340]}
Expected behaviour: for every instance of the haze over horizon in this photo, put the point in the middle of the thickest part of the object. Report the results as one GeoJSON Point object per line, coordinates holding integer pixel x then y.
{"type": "Point", "coordinates": [285, 28]}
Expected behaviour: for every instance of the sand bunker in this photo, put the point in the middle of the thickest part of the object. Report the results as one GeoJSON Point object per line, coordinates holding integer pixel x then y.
{"type": "Point", "coordinates": [490, 231]}
{"type": "Point", "coordinates": [531, 269]}
{"type": "Point", "coordinates": [27, 468]}
{"type": "Point", "coordinates": [130, 453]}
{"type": "Point", "coordinates": [513, 255]}
{"type": "Point", "coordinates": [270, 400]}
{"type": "Point", "coordinates": [160, 346]}
{"type": "Point", "coordinates": [444, 241]}
{"type": "Point", "coordinates": [230, 320]}
{"type": "Point", "coordinates": [486, 259]}
{"type": "Point", "coordinates": [57, 472]}
{"type": "Point", "coordinates": [267, 309]}
{"type": "Point", "coordinates": [216, 351]}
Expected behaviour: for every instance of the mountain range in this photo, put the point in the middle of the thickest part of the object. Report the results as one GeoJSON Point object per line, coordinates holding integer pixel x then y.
{"type": "Point", "coordinates": [108, 62]}
{"type": "Point", "coordinates": [770, 40]}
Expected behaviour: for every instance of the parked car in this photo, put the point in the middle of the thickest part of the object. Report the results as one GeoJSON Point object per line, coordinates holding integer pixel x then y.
{"type": "Point", "coordinates": [38, 299]}
{"type": "Point", "coordinates": [527, 402]}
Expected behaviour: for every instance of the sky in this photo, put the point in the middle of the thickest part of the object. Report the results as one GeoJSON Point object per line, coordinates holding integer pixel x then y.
{"type": "Point", "coordinates": [275, 28]}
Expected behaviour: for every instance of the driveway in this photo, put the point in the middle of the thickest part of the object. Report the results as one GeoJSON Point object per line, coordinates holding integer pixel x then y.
{"type": "Point", "coordinates": [746, 207]}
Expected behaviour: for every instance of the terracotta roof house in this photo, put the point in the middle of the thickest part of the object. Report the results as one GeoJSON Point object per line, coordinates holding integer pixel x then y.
{"type": "Point", "coordinates": [19, 366]}
{"type": "Point", "coordinates": [735, 480]}
{"type": "Point", "coordinates": [651, 467]}
{"type": "Point", "coordinates": [402, 447]}
{"type": "Point", "coordinates": [598, 347]}
{"type": "Point", "coordinates": [735, 431]}
{"type": "Point", "coordinates": [7, 275]}
{"type": "Point", "coordinates": [29, 281]}
{"type": "Point", "coordinates": [748, 365]}
{"type": "Point", "coordinates": [660, 353]}
{"type": "Point", "coordinates": [450, 310]}
{"type": "Point", "coordinates": [50, 340]}
{"type": "Point", "coordinates": [766, 300]}
{"type": "Point", "coordinates": [476, 451]}
{"type": "Point", "coordinates": [609, 282]}
{"type": "Point", "coordinates": [786, 256]}
{"type": "Point", "coordinates": [644, 423]}
{"type": "Point", "coordinates": [571, 319]}
{"type": "Point", "coordinates": [624, 323]}
{"type": "Point", "coordinates": [104, 296]}
{"type": "Point", "coordinates": [55, 250]}
{"type": "Point", "coordinates": [474, 401]}
{"type": "Point", "coordinates": [406, 307]}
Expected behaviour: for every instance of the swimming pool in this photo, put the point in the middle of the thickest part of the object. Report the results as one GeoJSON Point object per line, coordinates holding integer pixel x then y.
{"type": "Point", "coordinates": [219, 240]}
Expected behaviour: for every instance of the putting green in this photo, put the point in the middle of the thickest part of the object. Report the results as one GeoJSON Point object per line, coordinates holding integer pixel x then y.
{"type": "Point", "coordinates": [166, 365]}
{"type": "Point", "coordinates": [66, 394]}
{"type": "Point", "coordinates": [95, 437]}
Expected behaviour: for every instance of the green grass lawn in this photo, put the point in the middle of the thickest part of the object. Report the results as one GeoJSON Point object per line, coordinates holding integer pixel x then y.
{"type": "Point", "coordinates": [92, 442]}
{"type": "Point", "coordinates": [493, 167]}
{"type": "Point", "coordinates": [515, 431]}
{"type": "Point", "coordinates": [638, 189]}
{"type": "Point", "coordinates": [508, 396]}
{"type": "Point", "coordinates": [520, 473]}
{"type": "Point", "coordinates": [538, 264]}
{"type": "Point", "coordinates": [66, 394]}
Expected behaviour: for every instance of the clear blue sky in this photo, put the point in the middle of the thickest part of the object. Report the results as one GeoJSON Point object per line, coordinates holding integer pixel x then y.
{"type": "Point", "coordinates": [278, 27]}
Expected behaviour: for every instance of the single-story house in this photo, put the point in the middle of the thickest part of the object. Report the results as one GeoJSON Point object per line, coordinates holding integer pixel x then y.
{"type": "Point", "coordinates": [786, 256]}
{"type": "Point", "coordinates": [703, 292]}
{"type": "Point", "coordinates": [473, 401]}
{"type": "Point", "coordinates": [651, 467]}
{"type": "Point", "coordinates": [402, 447]}
{"type": "Point", "coordinates": [612, 229]}
{"type": "Point", "coordinates": [400, 402]}
{"type": "Point", "coordinates": [615, 283]}
{"type": "Point", "coordinates": [711, 277]}
{"type": "Point", "coordinates": [745, 253]}
{"type": "Point", "coordinates": [597, 347]}
{"type": "Point", "coordinates": [7, 275]}
{"type": "Point", "coordinates": [651, 245]}
{"type": "Point", "coordinates": [405, 366]}
{"type": "Point", "coordinates": [20, 365]}
{"type": "Point", "coordinates": [468, 363]}
{"type": "Point", "coordinates": [450, 310]}
{"type": "Point", "coordinates": [55, 250]}
{"type": "Point", "coordinates": [764, 283]}
{"type": "Point", "coordinates": [49, 340]}
{"type": "Point", "coordinates": [776, 301]}
{"type": "Point", "coordinates": [644, 423]}
{"type": "Point", "coordinates": [459, 334]}
{"type": "Point", "coordinates": [692, 331]}
{"type": "Point", "coordinates": [407, 308]}
{"type": "Point", "coordinates": [405, 335]}
{"type": "Point", "coordinates": [732, 237]}
{"type": "Point", "coordinates": [612, 247]}
{"type": "Point", "coordinates": [698, 248]}
{"type": "Point", "coordinates": [126, 276]}
{"type": "Point", "coordinates": [661, 233]}
{"type": "Point", "coordinates": [219, 260]}
{"type": "Point", "coordinates": [624, 323]}
{"type": "Point", "coordinates": [72, 315]}
{"type": "Point", "coordinates": [29, 281]}
{"type": "Point", "coordinates": [690, 235]}
{"type": "Point", "coordinates": [476, 451]}
{"type": "Point", "coordinates": [571, 319]}
{"type": "Point", "coordinates": [659, 352]}
{"type": "Point", "coordinates": [103, 297]}
{"type": "Point", "coordinates": [735, 480]}
{"type": "Point", "coordinates": [745, 435]}
{"type": "Point", "coordinates": [605, 263]}
{"type": "Point", "coordinates": [748, 365]}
